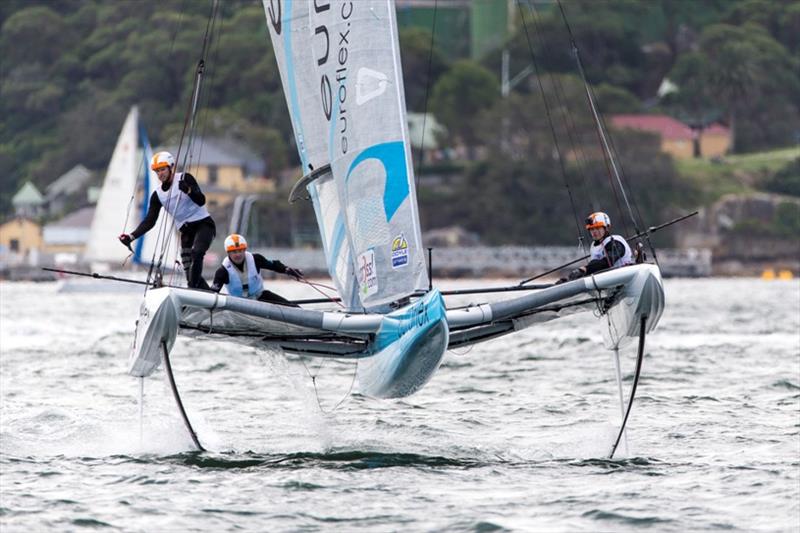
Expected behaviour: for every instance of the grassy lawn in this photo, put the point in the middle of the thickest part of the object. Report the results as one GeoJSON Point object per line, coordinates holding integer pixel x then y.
{"type": "Point", "coordinates": [735, 173]}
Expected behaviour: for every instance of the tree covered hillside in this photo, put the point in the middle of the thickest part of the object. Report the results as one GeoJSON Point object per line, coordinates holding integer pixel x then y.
{"type": "Point", "coordinates": [71, 69]}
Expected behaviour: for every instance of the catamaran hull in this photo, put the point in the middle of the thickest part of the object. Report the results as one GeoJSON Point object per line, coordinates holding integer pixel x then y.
{"type": "Point", "coordinates": [641, 297]}
{"type": "Point", "coordinates": [157, 326]}
{"type": "Point", "coordinates": [620, 298]}
{"type": "Point", "coordinates": [410, 346]}
{"type": "Point", "coordinates": [399, 351]}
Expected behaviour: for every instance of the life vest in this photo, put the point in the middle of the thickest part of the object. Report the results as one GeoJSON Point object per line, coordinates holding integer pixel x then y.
{"type": "Point", "coordinates": [246, 283]}
{"type": "Point", "coordinates": [178, 204]}
{"type": "Point", "coordinates": [598, 251]}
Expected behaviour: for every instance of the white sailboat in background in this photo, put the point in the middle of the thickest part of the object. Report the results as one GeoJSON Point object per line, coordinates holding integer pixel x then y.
{"type": "Point", "coordinates": [347, 106]}
{"type": "Point", "coordinates": [127, 177]}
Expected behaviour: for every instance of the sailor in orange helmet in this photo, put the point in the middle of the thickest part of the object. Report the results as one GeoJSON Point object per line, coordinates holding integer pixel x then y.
{"type": "Point", "coordinates": [607, 250]}
{"type": "Point", "coordinates": [241, 272]}
{"type": "Point", "coordinates": [181, 197]}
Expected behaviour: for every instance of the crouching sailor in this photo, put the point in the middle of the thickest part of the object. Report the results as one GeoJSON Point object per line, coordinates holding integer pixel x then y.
{"type": "Point", "coordinates": [241, 272]}
{"type": "Point", "coordinates": [181, 197]}
{"type": "Point", "coordinates": [607, 250]}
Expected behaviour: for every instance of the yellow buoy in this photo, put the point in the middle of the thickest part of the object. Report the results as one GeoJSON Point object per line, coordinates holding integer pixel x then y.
{"type": "Point", "coordinates": [785, 274]}
{"type": "Point", "coordinates": [768, 274]}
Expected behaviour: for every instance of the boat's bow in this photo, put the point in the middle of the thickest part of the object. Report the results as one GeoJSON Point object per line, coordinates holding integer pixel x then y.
{"type": "Point", "coordinates": [159, 316]}
{"type": "Point", "coordinates": [642, 296]}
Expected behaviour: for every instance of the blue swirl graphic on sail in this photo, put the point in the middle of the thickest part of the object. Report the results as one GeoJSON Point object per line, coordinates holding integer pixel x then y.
{"type": "Point", "coordinates": [392, 155]}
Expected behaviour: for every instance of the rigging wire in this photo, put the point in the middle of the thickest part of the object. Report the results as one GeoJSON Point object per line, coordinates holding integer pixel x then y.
{"type": "Point", "coordinates": [580, 156]}
{"type": "Point", "coordinates": [427, 91]}
{"type": "Point", "coordinates": [177, 27]}
{"type": "Point", "coordinates": [599, 123]}
{"type": "Point", "coordinates": [316, 391]}
{"type": "Point", "coordinates": [314, 285]}
{"type": "Point", "coordinates": [204, 120]}
{"type": "Point", "coordinates": [128, 214]}
{"type": "Point", "coordinates": [189, 123]}
{"type": "Point", "coordinates": [581, 242]}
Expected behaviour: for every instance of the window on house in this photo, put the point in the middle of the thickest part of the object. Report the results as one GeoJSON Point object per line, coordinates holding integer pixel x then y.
{"type": "Point", "coordinates": [14, 245]}
{"type": "Point", "coordinates": [213, 171]}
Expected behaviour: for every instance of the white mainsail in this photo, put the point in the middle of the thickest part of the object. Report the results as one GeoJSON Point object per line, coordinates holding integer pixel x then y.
{"type": "Point", "coordinates": [128, 168]}
{"type": "Point", "coordinates": [340, 66]}
{"type": "Point", "coordinates": [149, 248]}
{"type": "Point", "coordinates": [118, 186]}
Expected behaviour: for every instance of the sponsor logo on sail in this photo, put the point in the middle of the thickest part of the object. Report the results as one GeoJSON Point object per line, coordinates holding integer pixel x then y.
{"type": "Point", "coordinates": [274, 12]}
{"type": "Point", "coordinates": [399, 251]}
{"type": "Point", "coordinates": [370, 84]}
{"type": "Point", "coordinates": [367, 274]}
{"type": "Point", "coordinates": [332, 62]}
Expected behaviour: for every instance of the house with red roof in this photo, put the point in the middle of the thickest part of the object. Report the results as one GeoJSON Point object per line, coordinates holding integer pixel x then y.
{"type": "Point", "coordinates": [677, 138]}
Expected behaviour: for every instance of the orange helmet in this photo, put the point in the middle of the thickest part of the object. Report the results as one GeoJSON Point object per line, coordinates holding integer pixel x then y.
{"type": "Point", "coordinates": [235, 242]}
{"type": "Point", "coordinates": [598, 220]}
{"type": "Point", "coordinates": [162, 160]}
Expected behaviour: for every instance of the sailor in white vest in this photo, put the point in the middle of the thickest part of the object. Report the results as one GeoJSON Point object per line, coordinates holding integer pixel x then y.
{"type": "Point", "coordinates": [182, 198]}
{"type": "Point", "coordinates": [607, 250]}
{"type": "Point", "coordinates": [241, 272]}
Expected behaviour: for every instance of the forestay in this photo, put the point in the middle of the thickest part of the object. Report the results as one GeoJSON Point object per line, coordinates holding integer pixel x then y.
{"type": "Point", "coordinates": [340, 66]}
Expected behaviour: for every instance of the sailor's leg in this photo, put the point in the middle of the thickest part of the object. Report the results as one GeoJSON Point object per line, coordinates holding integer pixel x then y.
{"type": "Point", "coordinates": [271, 297]}
{"type": "Point", "coordinates": [202, 242]}
{"type": "Point", "coordinates": [187, 237]}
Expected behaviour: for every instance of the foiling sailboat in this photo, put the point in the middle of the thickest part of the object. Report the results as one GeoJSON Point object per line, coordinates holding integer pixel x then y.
{"type": "Point", "coordinates": [340, 67]}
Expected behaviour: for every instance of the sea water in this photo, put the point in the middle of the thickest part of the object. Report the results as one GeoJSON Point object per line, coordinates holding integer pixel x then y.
{"type": "Point", "coordinates": [510, 435]}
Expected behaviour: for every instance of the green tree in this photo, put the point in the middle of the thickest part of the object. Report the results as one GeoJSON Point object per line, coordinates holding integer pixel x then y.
{"type": "Point", "coordinates": [751, 78]}
{"type": "Point", "coordinates": [607, 34]}
{"type": "Point", "coordinates": [781, 18]}
{"type": "Point", "coordinates": [786, 180]}
{"type": "Point", "coordinates": [459, 95]}
{"type": "Point", "coordinates": [422, 66]}
{"type": "Point", "coordinates": [520, 191]}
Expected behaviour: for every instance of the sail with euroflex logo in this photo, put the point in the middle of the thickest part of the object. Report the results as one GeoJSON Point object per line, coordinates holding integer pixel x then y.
{"type": "Point", "coordinates": [340, 66]}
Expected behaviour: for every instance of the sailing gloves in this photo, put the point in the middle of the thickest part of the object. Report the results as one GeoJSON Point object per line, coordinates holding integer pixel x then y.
{"type": "Point", "coordinates": [296, 273]}
{"type": "Point", "coordinates": [184, 187]}
{"type": "Point", "coordinates": [573, 275]}
{"type": "Point", "coordinates": [577, 273]}
{"type": "Point", "coordinates": [125, 239]}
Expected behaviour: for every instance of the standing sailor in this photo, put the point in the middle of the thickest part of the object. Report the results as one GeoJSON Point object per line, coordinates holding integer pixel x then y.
{"type": "Point", "coordinates": [241, 272]}
{"type": "Point", "coordinates": [607, 250]}
{"type": "Point", "coordinates": [182, 198]}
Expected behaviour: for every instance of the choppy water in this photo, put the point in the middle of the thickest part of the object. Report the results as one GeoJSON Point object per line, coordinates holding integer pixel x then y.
{"type": "Point", "coordinates": [510, 435]}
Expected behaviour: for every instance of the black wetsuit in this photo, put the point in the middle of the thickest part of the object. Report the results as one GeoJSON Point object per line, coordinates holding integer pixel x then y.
{"type": "Point", "coordinates": [196, 236]}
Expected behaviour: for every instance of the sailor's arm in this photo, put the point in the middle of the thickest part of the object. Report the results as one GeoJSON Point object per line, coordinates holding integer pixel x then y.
{"type": "Point", "coordinates": [191, 188]}
{"type": "Point", "coordinates": [268, 264]}
{"type": "Point", "coordinates": [220, 279]}
{"type": "Point", "coordinates": [275, 266]}
{"type": "Point", "coordinates": [149, 219]}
